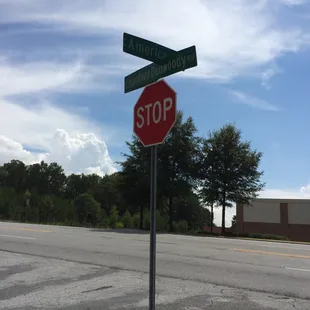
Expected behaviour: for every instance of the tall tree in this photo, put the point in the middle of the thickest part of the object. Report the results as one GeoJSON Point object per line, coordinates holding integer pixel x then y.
{"type": "Point", "coordinates": [207, 191]}
{"type": "Point", "coordinates": [135, 178]}
{"type": "Point", "coordinates": [234, 176]}
{"type": "Point", "coordinates": [177, 160]}
{"type": "Point", "coordinates": [107, 192]}
{"type": "Point", "coordinates": [88, 209]}
{"type": "Point", "coordinates": [13, 175]}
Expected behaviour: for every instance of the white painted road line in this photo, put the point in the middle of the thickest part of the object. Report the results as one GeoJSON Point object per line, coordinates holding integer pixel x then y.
{"type": "Point", "coordinates": [297, 269]}
{"type": "Point", "coordinates": [18, 237]}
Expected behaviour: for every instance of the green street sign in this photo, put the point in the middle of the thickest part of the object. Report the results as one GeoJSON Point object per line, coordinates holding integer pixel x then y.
{"type": "Point", "coordinates": [146, 49]}
{"type": "Point", "coordinates": [180, 61]}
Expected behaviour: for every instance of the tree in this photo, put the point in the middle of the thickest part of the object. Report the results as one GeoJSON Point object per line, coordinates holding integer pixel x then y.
{"type": "Point", "coordinates": [76, 185]}
{"type": "Point", "coordinates": [176, 169]}
{"type": "Point", "coordinates": [56, 179]}
{"type": "Point", "coordinates": [177, 162]}
{"type": "Point", "coordinates": [107, 192]}
{"type": "Point", "coordinates": [135, 178]}
{"type": "Point", "coordinates": [88, 209]}
{"type": "Point", "coordinates": [189, 209]}
{"type": "Point", "coordinates": [13, 175]}
{"type": "Point", "coordinates": [234, 176]}
{"type": "Point", "coordinates": [114, 217]}
{"type": "Point", "coordinates": [207, 191]}
{"type": "Point", "coordinates": [127, 220]}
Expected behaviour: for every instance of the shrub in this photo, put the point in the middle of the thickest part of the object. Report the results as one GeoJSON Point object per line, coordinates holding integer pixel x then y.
{"type": "Point", "coordinates": [161, 221]}
{"type": "Point", "coordinates": [127, 220]}
{"type": "Point", "coordinates": [180, 227]}
{"type": "Point", "coordinates": [114, 217]}
{"type": "Point", "coordinates": [267, 236]}
{"type": "Point", "coordinates": [146, 220]}
{"type": "Point", "coordinates": [104, 220]}
{"type": "Point", "coordinates": [119, 225]}
{"type": "Point", "coordinates": [136, 220]}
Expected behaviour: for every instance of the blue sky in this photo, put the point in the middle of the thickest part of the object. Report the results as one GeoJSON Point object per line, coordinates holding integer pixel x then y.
{"type": "Point", "coordinates": [62, 70]}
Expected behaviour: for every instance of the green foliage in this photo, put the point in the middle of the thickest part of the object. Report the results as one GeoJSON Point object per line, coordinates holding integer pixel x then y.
{"type": "Point", "coordinates": [229, 169]}
{"type": "Point", "coordinates": [119, 225]}
{"type": "Point", "coordinates": [146, 220]}
{"type": "Point", "coordinates": [192, 172]}
{"type": "Point", "coordinates": [114, 217]}
{"type": "Point", "coordinates": [180, 227]}
{"type": "Point", "coordinates": [267, 236]}
{"type": "Point", "coordinates": [136, 220]}
{"type": "Point", "coordinates": [161, 221]}
{"type": "Point", "coordinates": [127, 220]}
{"type": "Point", "coordinates": [87, 209]}
{"type": "Point", "coordinates": [104, 219]}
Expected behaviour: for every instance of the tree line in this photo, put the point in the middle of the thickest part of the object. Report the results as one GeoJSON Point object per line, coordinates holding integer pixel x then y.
{"type": "Point", "coordinates": [193, 172]}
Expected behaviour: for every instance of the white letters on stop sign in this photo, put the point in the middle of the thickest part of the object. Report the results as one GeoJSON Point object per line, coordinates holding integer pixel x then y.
{"type": "Point", "coordinates": [155, 112]}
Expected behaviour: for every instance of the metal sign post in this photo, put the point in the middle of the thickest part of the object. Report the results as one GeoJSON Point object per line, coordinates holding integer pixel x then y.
{"type": "Point", "coordinates": [152, 279]}
{"type": "Point", "coordinates": [154, 116]}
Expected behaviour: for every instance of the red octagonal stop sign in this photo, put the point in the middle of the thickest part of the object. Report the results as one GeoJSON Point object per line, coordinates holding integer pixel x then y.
{"type": "Point", "coordinates": [155, 113]}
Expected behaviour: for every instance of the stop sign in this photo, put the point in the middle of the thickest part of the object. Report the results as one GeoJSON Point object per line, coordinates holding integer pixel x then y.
{"type": "Point", "coordinates": [155, 113]}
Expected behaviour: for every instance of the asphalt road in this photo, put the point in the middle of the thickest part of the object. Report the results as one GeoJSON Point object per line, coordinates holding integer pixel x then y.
{"type": "Point", "coordinates": [50, 267]}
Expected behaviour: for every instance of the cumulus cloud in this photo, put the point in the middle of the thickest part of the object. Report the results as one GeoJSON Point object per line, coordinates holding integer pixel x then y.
{"type": "Point", "coordinates": [10, 149]}
{"type": "Point", "coordinates": [34, 123]}
{"type": "Point", "coordinates": [76, 153]}
{"type": "Point", "coordinates": [79, 145]}
{"type": "Point", "coordinates": [80, 153]}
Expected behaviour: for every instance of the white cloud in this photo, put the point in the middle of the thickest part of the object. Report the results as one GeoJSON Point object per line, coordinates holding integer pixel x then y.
{"type": "Point", "coordinates": [79, 153]}
{"type": "Point", "coordinates": [233, 38]}
{"type": "Point", "coordinates": [51, 76]}
{"type": "Point", "coordinates": [34, 124]}
{"type": "Point", "coordinates": [10, 149]}
{"type": "Point", "coordinates": [243, 98]}
{"type": "Point", "coordinates": [33, 77]}
{"type": "Point", "coordinates": [79, 145]}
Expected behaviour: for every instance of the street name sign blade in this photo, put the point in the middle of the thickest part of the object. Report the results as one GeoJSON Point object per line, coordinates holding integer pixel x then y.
{"type": "Point", "coordinates": [146, 49]}
{"type": "Point", "coordinates": [185, 59]}
{"type": "Point", "coordinates": [155, 113]}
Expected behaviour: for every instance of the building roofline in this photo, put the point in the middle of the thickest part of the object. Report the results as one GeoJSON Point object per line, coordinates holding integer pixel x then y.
{"type": "Point", "coordinates": [283, 200]}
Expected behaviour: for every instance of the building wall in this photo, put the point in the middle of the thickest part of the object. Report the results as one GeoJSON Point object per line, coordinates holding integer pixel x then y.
{"type": "Point", "coordinates": [299, 212]}
{"type": "Point", "coordinates": [287, 217]}
{"type": "Point", "coordinates": [262, 212]}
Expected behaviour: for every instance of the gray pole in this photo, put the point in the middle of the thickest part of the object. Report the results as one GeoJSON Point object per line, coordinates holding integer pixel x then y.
{"type": "Point", "coordinates": [153, 228]}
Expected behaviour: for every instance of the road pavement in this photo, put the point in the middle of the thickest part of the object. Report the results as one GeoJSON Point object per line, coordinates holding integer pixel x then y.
{"type": "Point", "coordinates": [52, 267]}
